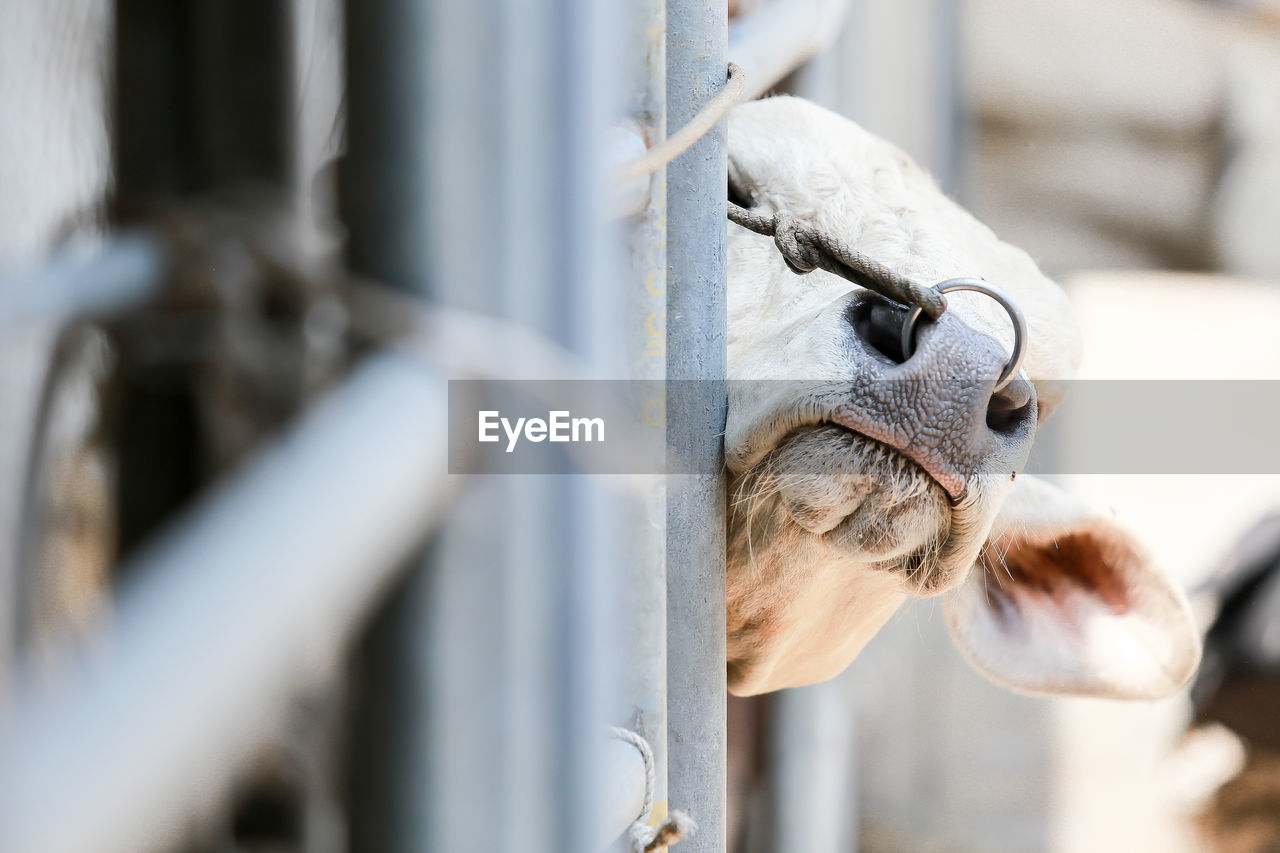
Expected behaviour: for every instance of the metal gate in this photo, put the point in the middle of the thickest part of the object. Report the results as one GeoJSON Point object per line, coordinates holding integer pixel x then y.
{"type": "Point", "coordinates": [466, 639]}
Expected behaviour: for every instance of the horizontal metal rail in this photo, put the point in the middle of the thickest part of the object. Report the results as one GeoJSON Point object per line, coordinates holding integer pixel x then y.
{"type": "Point", "coordinates": [241, 604]}
{"type": "Point", "coordinates": [127, 272]}
{"type": "Point", "coordinates": [781, 35]}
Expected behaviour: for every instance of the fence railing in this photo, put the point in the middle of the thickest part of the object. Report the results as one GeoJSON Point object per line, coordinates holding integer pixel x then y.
{"type": "Point", "coordinates": [479, 615]}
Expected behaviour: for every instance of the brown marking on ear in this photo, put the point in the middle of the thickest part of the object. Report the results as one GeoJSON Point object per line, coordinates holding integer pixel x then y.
{"type": "Point", "coordinates": [1075, 560]}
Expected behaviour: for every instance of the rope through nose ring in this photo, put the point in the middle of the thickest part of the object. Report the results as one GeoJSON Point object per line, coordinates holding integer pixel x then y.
{"type": "Point", "coordinates": [806, 249]}
{"type": "Point", "coordinates": [979, 286]}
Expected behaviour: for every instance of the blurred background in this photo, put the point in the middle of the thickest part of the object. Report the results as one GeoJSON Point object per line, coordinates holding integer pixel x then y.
{"type": "Point", "coordinates": [1132, 147]}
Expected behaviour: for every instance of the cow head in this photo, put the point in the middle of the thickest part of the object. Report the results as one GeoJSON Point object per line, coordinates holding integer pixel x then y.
{"type": "Point", "coordinates": [861, 477]}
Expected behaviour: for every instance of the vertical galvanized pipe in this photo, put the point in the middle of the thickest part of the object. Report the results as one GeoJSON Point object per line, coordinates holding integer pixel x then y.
{"type": "Point", "coordinates": [812, 771]}
{"type": "Point", "coordinates": [951, 119]}
{"type": "Point", "coordinates": [385, 194]}
{"type": "Point", "coordinates": [697, 41]}
{"type": "Point", "coordinates": [204, 97]}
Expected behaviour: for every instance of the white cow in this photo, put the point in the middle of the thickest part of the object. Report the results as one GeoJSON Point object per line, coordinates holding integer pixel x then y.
{"type": "Point", "coordinates": [861, 477]}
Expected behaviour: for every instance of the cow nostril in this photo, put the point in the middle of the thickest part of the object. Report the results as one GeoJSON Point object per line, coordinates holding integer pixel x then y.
{"type": "Point", "coordinates": [1006, 415]}
{"type": "Point", "coordinates": [740, 196]}
{"type": "Point", "coordinates": [879, 325]}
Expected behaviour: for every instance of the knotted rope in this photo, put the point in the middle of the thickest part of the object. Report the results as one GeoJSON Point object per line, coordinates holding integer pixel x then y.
{"type": "Point", "coordinates": [806, 249]}
{"type": "Point", "coordinates": [642, 838]}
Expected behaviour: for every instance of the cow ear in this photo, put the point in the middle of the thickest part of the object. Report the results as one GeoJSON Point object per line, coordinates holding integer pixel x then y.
{"type": "Point", "coordinates": [1064, 601]}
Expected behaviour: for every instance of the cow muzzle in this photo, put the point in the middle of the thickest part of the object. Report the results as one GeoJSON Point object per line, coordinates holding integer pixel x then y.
{"type": "Point", "coordinates": [943, 405]}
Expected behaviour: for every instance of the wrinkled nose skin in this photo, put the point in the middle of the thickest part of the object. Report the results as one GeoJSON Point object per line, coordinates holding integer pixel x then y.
{"type": "Point", "coordinates": [938, 407]}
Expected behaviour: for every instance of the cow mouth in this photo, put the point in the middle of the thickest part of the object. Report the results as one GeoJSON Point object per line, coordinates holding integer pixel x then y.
{"type": "Point", "coordinates": [949, 478]}
{"type": "Point", "coordinates": [861, 499]}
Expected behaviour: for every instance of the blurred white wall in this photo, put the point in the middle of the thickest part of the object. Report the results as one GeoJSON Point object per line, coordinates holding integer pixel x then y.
{"type": "Point", "coordinates": [1126, 133]}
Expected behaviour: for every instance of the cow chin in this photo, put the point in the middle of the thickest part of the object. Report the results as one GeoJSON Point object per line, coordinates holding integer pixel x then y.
{"type": "Point", "coordinates": [857, 500]}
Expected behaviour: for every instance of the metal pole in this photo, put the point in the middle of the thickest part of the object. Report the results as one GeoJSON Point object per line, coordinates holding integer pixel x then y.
{"type": "Point", "coordinates": [696, 185]}
{"type": "Point", "coordinates": [34, 308]}
{"type": "Point", "coordinates": [128, 271]}
{"type": "Point", "coordinates": [951, 119]}
{"type": "Point", "coordinates": [774, 40]}
{"type": "Point", "coordinates": [812, 772]}
{"type": "Point", "coordinates": [384, 198]}
{"type": "Point", "coordinates": [204, 106]}
{"type": "Point", "coordinates": [384, 178]}
{"type": "Point", "coordinates": [204, 97]}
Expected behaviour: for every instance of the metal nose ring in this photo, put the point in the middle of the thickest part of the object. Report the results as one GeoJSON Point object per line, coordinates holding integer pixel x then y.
{"type": "Point", "coordinates": [975, 284]}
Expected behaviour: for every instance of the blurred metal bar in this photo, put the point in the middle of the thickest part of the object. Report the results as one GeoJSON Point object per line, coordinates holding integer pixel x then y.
{"type": "Point", "coordinates": [779, 36]}
{"type": "Point", "coordinates": [696, 187]}
{"type": "Point", "coordinates": [914, 44]}
{"type": "Point", "coordinates": [231, 611]}
{"type": "Point", "coordinates": [952, 123]}
{"type": "Point", "coordinates": [204, 97]}
{"type": "Point", "coordinates": [384, 198]}
{"type": "Point", "coordinates": [25, 356]}
{"type": "Point", "coordinates": [812, 772]}
{"type": "Point", "coordinates": [126, 273]}
{"type": "Point", "coordinates": [385, 195]}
